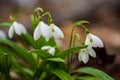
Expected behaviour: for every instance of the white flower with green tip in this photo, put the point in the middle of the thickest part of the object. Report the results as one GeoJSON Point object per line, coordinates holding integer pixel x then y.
{"type": "Point", "coordinates": [91, 41]}
{"type": "Point", "coordinates": [17, 28]}
{"type": "Point", "coordinates": [50, 49]}
{"type": "Point", "coordinates": [42, 29]}
{"type": "Point", "coordinates": [56, 32]}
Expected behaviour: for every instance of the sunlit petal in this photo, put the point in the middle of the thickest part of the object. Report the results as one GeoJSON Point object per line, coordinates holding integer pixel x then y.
{"type": "Point", "coordinates": [11, 31]}
{"type": "Point", "coordinates": [46, 47]}
{"type": "Point", "coordinates": [52, 51]}
{"type": "Point", "coordinates": [17, 28]}
{"type": "Point", "coordinates": [87, 40]}
{"type": "Point", "coordinates": [85, 57]}
{"type": "Point", "coordinates": [46, 31]}
{"type": "Point", "coordinates": [37, 33]}
{"type": "Point", "coordinates": [92, 53]}
{"type": "Point", "coordinates": [57, 33]}
{"type": "Point", "coordinates": [79, 56]}
{"type": "Point", "coordinates": [23, 29]}
{"type": "Point", "coordinates": [97, 42]}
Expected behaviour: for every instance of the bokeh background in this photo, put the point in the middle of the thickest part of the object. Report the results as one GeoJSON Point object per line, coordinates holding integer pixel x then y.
{"type": "Point", "coordinates": [103, 15]}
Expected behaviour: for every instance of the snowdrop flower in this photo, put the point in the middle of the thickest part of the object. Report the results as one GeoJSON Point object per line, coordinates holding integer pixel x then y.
{"type": "Point", "coordinates": [17, 28]}
{"type": "Point", "coordinates": [91, 41]}
{"type": "Point", "coordinates": [50, 49]}
{"type": "Point", "coordinates": [2, 34]}
{"type": "Point", "coordinates": [56, 32]}
{"type": "Point", "coordinates": [42, 29]}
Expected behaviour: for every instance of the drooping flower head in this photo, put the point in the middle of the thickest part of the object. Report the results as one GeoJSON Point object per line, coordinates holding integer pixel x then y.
{"type": "Point", "coordinates": [17, 28]}
{"type": "Point", "coordinates": [91, 41]}
{"type": "Point", "coordinates": [42, 29]}
{"type": "Point", "coordinates": [56, 32]}
{"type": "Point", "coordinates": [50, 49]}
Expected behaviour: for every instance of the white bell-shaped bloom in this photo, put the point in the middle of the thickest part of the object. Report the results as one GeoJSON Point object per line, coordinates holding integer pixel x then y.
{"type": "Point", "coordinates": [17, 28]}
{"type": "Point", "coordinates": [2, 34]}
{"type": "Point", "coordinates": [56, 32]}
{"type": "Point", "coordinates": [91, 41]}
{"type": "Point", "coordinates": [42, 29]}
{"type": "Point", "coordinates": [83, 56]}
{"type": "Point", "coordinates": [50, 49]}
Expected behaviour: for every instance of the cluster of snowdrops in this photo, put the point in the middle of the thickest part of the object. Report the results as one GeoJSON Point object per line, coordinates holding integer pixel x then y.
{"type": "Point", "coordinates": [40, 57]}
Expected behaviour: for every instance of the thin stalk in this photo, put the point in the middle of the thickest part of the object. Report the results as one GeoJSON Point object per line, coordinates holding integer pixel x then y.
{"type": "Point", "coordinates": [70, 45]}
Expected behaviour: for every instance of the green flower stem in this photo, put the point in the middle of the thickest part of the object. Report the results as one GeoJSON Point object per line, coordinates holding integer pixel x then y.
{"type": "Point", "coordinates": [71, 37]}
{"type": "Point", "coordinates": [38, 71]}
{"type": "Point", "coordinates": [77, 36]}
{"type": "Point", "coordinates": [37, 16]}
{"type": "Point", "coordinates": [70, 45]}
{"type": "Point", "coordinates": [50, 20]}
{"type": "Point", "coordinates": [35, 22]}
{"type": "Point", "coordinates": [79, 23]}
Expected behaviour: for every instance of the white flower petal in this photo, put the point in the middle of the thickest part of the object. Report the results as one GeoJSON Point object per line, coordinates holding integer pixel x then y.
{"type": "Point", "coordinates": [2, 34]}
{"type": "Point", "coordinates": [97, 42]}
{"type": "Point", "coordinates": [46, 31]}
{"type": "Point", "coordinates": [87, 40]}
{"type": "Point", "coordinates": [37, 33]}
{"type": "Point", "coordinates": [17, 28]}
{"type": "Point", "coordinates": [52, 51]}
{"type": "Point", "coordinates": [92, 53]}
{"type": "Point", "coordinates": [46, 47]}
{"type": "Point", "coordinates": [11, 31]}
{"type": "Point", "coordinates": [85, 57]}
{"type": "Point", "coordinates": [58, 33]}
{"type": "Point", "coordinates": [59, 42]}
{"type": "Point", "coordinates": [23, 29]}
{"type": "Point", "coordinates": [79, 56]}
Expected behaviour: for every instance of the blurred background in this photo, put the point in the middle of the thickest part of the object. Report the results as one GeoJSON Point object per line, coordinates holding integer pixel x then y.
{"type": "Point", "coordinates": [103, 15]}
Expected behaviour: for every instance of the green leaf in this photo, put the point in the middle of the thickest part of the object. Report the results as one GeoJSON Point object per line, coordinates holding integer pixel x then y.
{"type": "Point", "coordinates": [30, 39]}
{"type": "Point", "coordinates": [42, 54]}
{"type": "Point", "coordinates": [43, 42]}
{"type": "Point", "coordinates": [5, 66]}
{"type": "Point", "coordinates": [61, 74]}
{"type": "Point", "coordinates": [55, 59]}
{"type": "Point", "coordinates": [19, 51]}
{"type": "Point", "coordinates": [94, 72]}
{"type": "Point", "coordinates": [5, 24]}
{"type": "Point", "coordinates": [18, 68]}
{"type": "Point", "coordinates": [87, 78]}
{"type": "Point", "coordinates": [28, 71]}
{"type": "Point", "coordinates": [69, 51]}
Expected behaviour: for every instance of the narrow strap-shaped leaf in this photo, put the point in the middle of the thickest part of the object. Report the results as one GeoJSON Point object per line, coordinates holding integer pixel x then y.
{"type": "Point", "coordinates": [18, 68]}
{"type": "Point", "coordinates": [42, 54]}
{"type": "Point", "coordinates": [95, 72]}
{"type": "Point", "coordinates": [69, 51]}
{"type": "Point", "coordinates": [61, 74]}
{"type": "Point", "coordinates": [21, 52]}
{"type": "Point", "coordinates": [55, 59]}
{"type": "Point", "coordinates": [5, 24]}
{"type": "Point", "coordinates": [5, 66]}
{"type": "Point", "coordinates": [30, 39]}
{"type": "Point", "coordinates": [87, 78]}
